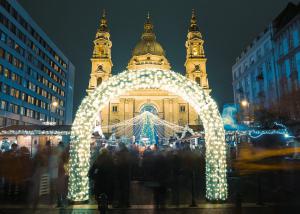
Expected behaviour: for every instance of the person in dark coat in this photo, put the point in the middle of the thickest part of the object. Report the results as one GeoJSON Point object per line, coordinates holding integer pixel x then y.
{"type": "Point", "coordinates": [11, 172]}
{"type": "Point", "coordinates": [161, 175]}
{"type": "Point", "coordinates": [40, 167]}
{"type": "Point", "coordinates": [123, 169]}
{"type": "Point", "coordinates": [175, 166]}
{"type": "Point", "coordinates": [61, 185]}
{"type": "Point", "coordinates": [102, 172]}
{"type": "Point", "coordinates": [26, 169]}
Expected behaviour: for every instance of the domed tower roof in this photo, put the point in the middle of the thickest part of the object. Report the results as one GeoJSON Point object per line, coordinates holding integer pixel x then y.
{"type": "Point", "coordinates": [148, 46]}
{"type": "Point", "coordinates": [148, 43]}
{"type": "Point", "coordinates": [148, 52]}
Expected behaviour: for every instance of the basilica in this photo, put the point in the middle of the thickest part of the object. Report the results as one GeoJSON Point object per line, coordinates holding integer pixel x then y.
{"type": "Point", "coordinates": [148, 54]}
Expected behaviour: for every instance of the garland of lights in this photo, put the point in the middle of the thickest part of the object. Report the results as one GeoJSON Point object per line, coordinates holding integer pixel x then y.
{"type": "Point", "coordinates": [186, 130]}
{"type": "Point", "coordinates": [34, 132]}
{"type": "Point", "coordinates": [205, 106]}
{"type": "Point", "coordinates": [162, 128]}
{"type": "Point", "coordinates": [165, 129]}
{"type": "Point", "coordinates": [258, 133]}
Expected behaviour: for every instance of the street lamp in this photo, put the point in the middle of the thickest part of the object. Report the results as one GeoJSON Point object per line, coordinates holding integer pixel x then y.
{"type": "Point", "coordinates": [53, 106]}
{"type": "Point", "coordinates": [245, 105]}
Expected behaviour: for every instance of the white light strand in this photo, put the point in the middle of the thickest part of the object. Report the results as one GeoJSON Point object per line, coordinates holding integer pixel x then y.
{"type": "Point", "coordinates": [205, 106]}
{"type": "Point", "coordinates": [133, 126]}
{"type": "Point", "coordinates": [33, 132]}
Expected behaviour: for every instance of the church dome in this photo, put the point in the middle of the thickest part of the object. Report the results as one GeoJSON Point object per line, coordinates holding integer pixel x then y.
{"type": "Point", "coordinates": [148, 53]}
{"type": "Point", "coordinates": [148, 43]}
{"type": "Point", "coordinates": [148, 46]}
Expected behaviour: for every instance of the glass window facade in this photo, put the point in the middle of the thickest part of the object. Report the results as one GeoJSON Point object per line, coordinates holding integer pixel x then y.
{"type": "Point", "coordinates": [33, 72]}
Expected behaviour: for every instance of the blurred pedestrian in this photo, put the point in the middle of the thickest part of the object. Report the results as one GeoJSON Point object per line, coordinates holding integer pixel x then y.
{"type": "Point", "coordinates": [161, 174]}
{"type": "Point", "coordinates": [40, 168]}
{"type": "Point", "coordinates": [25, 173]}
{"type": "Point", "coordinates": [53, 170]}
{"type": "Point", "coordinates": [11, 172]}
{"type": "Point", "coordinates": [102, 173]}
{"type": "Point", "coordinates": [123, 169]}
{"type": "Point", "coordinates": [61, 184]}
{"type": "Point", "coordinates": [175, 166]}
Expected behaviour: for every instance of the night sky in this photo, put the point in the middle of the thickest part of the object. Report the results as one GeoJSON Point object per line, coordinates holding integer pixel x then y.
{"type": "Point", "coordinates": [226, 26]}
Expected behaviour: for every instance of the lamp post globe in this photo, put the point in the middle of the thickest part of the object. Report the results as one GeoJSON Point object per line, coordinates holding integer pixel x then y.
{"type": "Point", "coordinates": [244, 103]}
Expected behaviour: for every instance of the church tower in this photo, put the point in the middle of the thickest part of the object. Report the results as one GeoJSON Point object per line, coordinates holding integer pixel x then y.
{"type": "Point", "coordinates": [101, 59]}
{"type": "Point", "coordinates": [195, 64]}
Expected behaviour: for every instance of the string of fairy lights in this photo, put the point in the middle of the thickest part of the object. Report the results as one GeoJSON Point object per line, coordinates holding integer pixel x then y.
{"type": "Point", "coordinates": [163, 128]}
{"type": "Point", "coordinates": [205, 106]}
{"type": "Point", "coordinates": [128, 80]}
{"type": "Point", "coordinates": [134, 126]}
{"type": "Point", "coordinates": [257, 133]}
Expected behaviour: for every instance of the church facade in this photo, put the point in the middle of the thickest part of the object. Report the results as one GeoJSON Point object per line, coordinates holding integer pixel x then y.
{"type": "Point", "coordinates": [148, 54]}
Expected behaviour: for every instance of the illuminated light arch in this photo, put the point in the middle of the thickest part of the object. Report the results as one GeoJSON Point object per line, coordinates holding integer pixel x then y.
{"type": "Point", "coordinates": [128, 80]}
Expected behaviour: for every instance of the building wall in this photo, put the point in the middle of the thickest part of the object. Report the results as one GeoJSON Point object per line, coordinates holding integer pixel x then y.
{"type": "Point", "coordinates": [272, 80]}
{"type": "Point", "coordinates": [33, 72]}
{"type": "Point", "coordinates": [254, 77]}
{"type": "Point", "coordinates": [287, 53]}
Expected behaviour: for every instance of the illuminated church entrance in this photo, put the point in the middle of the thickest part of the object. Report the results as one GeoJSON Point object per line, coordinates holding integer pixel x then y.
{"type": "Point", "coordinates": [204, 105]}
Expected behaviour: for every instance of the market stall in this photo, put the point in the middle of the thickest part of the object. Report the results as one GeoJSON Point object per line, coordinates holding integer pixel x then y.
{"type": "Point", "coordinates": [32, 136]}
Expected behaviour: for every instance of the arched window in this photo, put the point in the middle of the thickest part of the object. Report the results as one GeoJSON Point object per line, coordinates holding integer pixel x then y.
{"type": "Point", "coordinates": [197, 79]}
{"type": "Point", "coordinates": [150, 108]}
{"type": "Point", "coordinates": [99, 81]}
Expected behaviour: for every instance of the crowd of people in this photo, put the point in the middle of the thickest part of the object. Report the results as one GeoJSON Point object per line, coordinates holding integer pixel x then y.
{"type": "Point", "coordinates": [21, 174]}
{"type": "Point", "coordinates": [165, 171]}
{"type": "Point", "coordinates": [173, 173]}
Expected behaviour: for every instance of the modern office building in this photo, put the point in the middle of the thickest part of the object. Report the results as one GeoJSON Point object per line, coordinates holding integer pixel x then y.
{"type": "Point", "coordinates": [36, 78]}
{"type": "Point", "coordinates": [262, 74]}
